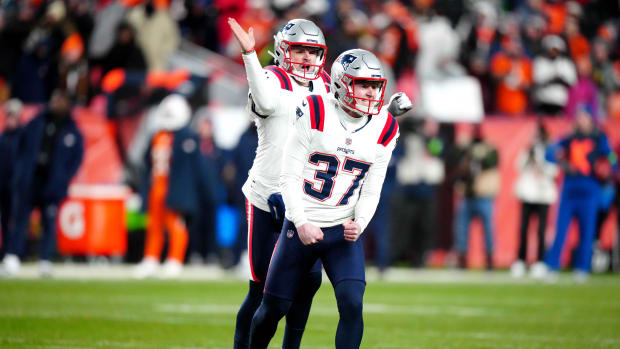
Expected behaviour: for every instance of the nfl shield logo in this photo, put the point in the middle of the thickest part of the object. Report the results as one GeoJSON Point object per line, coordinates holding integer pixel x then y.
{"type": "Point", "coordinates": [348, 141]}
{"type": "Point", "coordinates": [290, 233]}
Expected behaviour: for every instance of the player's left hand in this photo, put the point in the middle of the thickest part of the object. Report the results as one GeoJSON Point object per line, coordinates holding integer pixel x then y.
{"type": "Point", "coordinates": [352, 231]}
{"type": "Point", "coordinates": [399, 104]}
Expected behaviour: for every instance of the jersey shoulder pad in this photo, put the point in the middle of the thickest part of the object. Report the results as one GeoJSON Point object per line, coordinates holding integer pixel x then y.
{"type": "Point", "coordinates": [327, 80]}
{"type": "Point", "coordinates": [316, 108]}
{"type": "Point", "coordinates": [283, 77]}
{"type": "Point", "coordinates": [390, 130]}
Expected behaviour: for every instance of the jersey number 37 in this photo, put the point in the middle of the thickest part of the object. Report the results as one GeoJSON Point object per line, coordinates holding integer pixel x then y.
{"type": "Point", "coordinates": [328, 176]}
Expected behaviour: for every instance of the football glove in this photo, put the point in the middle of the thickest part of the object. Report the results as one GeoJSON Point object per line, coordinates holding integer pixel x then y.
{"type": "Point", "coordinates": [399, 104]}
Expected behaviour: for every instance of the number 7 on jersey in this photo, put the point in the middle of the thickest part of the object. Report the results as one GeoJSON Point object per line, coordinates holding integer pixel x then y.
{"type": "Point", "coordinates": [328, 176]}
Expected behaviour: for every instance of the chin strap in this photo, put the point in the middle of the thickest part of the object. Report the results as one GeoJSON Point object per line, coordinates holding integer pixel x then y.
{"type": "Point", "coordinates": [272, 54]}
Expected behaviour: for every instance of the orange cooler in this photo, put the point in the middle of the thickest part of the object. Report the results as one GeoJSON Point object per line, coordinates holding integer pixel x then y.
{"type": "Point", "coordinates": [91, 221]}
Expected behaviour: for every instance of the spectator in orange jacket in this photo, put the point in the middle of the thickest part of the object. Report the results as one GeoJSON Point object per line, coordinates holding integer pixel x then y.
{"type": "Point", "coordinates": [513, 70]}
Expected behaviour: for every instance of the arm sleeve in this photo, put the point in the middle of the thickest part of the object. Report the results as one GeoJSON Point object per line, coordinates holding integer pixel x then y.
{"type": "Point", "coordinates": [262, 86]}
{"type": "Point", "coordinates": [605, 148]}
{"type": "Point", "coordinates": [371, 189]}
{"type": "Point", "coordinates": [296, 152]}
{"type": "Point", "coordinates": [78, 154]}
{"type": "Point", "coordinates": [567, 71]}
{"type": "Point", "coordinates": [542, 71]}
{"type": "Point", "coordinates": [551, 154]}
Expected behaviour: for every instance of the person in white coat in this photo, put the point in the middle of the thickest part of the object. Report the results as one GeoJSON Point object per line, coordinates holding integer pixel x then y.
{"type": "Point", "coordinates": [536, 190]}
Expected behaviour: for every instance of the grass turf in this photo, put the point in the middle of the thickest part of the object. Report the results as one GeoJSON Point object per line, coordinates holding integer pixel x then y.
{"type": "Point", "coordinates": [186, 314]}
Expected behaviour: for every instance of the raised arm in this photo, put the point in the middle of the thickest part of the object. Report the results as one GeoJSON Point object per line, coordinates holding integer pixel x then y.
{"type": "Point", "coordinates": [261, 87]}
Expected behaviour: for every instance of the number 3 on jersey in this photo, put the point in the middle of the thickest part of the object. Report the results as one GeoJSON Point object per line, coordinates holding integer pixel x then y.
{"type": "Point", "coordinates": [326, 177]}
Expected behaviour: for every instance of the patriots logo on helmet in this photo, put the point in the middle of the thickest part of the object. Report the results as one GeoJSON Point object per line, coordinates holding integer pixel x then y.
{"type": "Point", "coordinates": [287, 27]}
{"type": "Point", "coordinates": [346, 60]}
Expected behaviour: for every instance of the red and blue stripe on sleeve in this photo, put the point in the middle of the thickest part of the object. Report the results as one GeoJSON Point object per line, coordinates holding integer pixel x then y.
{"type": "Point", "coordinates": [327, 80]}
{"type": "Point", "coordinates": [317, 112]}
{"type": "Point", "coordinates": [389, 131]}
{"type": "Point", "coordinates": [285, 80]}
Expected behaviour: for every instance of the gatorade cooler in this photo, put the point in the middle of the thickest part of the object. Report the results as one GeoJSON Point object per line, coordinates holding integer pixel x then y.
{"type": "Point", "coordinates": [91, 221]}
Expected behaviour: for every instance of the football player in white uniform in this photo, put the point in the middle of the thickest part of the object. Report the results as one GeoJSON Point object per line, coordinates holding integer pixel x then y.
{"type": "Point", "coordinates": [274, 91]}
{"type": "Point", "coordinates": [334, 165]}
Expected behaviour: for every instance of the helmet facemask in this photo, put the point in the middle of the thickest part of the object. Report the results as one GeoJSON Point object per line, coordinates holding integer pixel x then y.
{"type": "Point", "coordinates": [314, 70]}
{"type": "Point", "coordinates": [363, 105]}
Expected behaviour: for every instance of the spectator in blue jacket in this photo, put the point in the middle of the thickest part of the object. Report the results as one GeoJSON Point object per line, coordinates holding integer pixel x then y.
{"type": "Point", "coordinates": [8, 148]}
{"type": "Point", "coordinates": [579, 155]}
{"type": "Point", "coordinates": [48, 155]}
{"type": "Point", "coordinates": [202, 240]}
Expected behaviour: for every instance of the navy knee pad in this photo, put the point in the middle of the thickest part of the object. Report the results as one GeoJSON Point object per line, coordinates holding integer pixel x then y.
{"type": "Point", "coordinates": [266, 318]}
{"type": "Point", "coordinates": [350, 297]}
{"type": "Point", "coordinates": [297, 316]}
{"type": "Point", "coordinates": [309, 286]}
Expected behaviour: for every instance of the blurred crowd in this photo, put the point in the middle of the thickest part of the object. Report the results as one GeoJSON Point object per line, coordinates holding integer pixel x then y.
{"type": "Point", "coordinates": [530, 56]}
{"type": "Point", "coordinates": [545, 57]}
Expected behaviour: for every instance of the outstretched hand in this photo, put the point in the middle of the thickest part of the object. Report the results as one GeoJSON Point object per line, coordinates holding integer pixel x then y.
{"type": "Point", "coordinates": [399, 104]}
{"type": "Point", "coordinates": [246, 40]}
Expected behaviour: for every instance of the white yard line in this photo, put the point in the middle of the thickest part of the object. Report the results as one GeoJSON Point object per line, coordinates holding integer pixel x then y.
{"type": "Point", "coordinates": [85, 271]}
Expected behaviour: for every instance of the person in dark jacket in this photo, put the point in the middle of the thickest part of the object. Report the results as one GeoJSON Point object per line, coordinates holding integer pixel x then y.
{"type": "Point", "coordinates": [478, 182]}
{"type": "Point", "coordinates": [125, 53]}
{"type": "Point", "coordinates": [8, 148]}
{"type": "Point", "coordinates": [173, 187]}
{"type": "Point", "coordinates": [202, 239]}
{"type": "Point", "coordinates": [49, 154]}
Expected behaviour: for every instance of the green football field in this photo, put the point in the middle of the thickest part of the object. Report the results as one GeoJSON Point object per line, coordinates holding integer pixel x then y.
{"type": "Point", "coordinates": [201, 314]}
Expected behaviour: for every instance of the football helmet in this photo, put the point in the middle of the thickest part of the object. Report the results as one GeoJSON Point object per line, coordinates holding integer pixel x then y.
{"type": "Point", "coordinates": [299, 32]}
{"type": "Point", "coordinates": [352, 68]}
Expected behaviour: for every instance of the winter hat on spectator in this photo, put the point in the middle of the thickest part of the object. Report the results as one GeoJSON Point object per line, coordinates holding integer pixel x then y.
{"type": "Point", "coordinates": [537, 21]}
{"type": "Point", "coordinates": [607, 32]}
{"type": "Point", "coordinates": [574, 9]}
{"type": "Point", "coordinates": [56, 11]}
{"type": "Point", "coordinates": [13, 107]}
{"type": "Point", "coordinates": [554, 42]}
{"type": "Point", "coordinates": [73, 47]}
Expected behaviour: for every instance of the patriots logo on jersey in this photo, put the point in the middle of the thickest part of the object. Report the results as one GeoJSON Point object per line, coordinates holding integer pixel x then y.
{"type": "Point", "coordinates": [299, 113]}
{"type": "Point", "coordinates": [346, 60]}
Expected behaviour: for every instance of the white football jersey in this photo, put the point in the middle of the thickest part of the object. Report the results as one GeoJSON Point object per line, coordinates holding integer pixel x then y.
{"type": "Point", "coordinates": [263, 179]}
{"type": "Point", "coordinates": [332, 174]}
